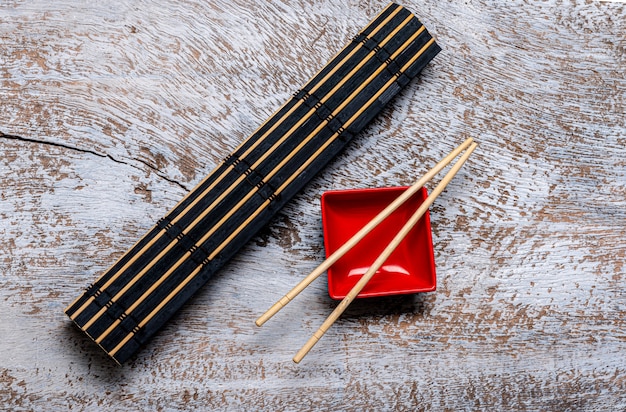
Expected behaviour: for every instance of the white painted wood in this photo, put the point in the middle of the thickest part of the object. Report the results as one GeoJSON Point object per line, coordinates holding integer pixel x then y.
{"type": "Point", "coordinates": [118, 108]}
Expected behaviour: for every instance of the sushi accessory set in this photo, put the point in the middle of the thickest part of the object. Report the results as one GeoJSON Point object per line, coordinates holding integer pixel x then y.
{"type": "Point", "coordinates": [378, 241]}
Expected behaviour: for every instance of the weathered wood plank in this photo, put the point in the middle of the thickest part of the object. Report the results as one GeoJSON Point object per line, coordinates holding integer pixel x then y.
{"type": "Point", "coordinates": [111, 112]}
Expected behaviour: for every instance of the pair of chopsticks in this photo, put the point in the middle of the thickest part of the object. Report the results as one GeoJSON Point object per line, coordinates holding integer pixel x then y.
{"type": "Point", "coordinates": [380, 260]}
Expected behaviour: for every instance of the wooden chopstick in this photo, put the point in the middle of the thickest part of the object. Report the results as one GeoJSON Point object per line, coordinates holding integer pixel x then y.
{"type": "Point", "coordinates": [361, 234]}
{"type": "Point", "coordinates": [383, 256]}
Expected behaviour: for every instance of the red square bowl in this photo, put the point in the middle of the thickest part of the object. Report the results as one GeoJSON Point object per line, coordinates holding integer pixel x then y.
{"type": "Point", "coordinates": [409, 269]}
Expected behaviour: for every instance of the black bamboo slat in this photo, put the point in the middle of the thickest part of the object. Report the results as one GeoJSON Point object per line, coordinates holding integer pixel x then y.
{"type": "Point", "coordinates": [132, 300]}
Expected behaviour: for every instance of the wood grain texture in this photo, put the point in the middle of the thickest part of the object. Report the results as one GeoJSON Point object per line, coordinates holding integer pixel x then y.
{"type": "Point", "coordinates": [111, 112]}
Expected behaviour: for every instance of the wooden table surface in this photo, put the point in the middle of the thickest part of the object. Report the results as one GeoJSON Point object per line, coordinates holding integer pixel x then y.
{"type": "Point", "coordinates": [112, 111]}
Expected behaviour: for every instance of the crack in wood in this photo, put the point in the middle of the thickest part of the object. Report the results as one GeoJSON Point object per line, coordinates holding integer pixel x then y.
{"type": "Point", "coordinates": [92, 152]}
